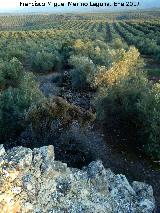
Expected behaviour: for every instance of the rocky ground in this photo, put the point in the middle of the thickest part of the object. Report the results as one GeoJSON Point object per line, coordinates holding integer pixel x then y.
{"type": "Point", "coordinates": [32, 181]}
{"type": "Point", "coordinates": [111, 149]}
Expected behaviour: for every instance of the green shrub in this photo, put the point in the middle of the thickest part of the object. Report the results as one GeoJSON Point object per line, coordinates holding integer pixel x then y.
{"type": "Point", "coordinates": [44, 61]}
{"type": "Point", "coordinates": [50, 118]}
{"type": "Point", "coordinates": [133, 106]}
{"type": "Point", "coordinates": [59, 109]}
{"type": "Point", "coordinates": [118, 43]}
{"type": "Point", "coordinates": [13, 104]}
{"type": "Point", "coordinates": [83, 70]}
{"type": "Point", "coordinates": [150, 109]}
{"type": "Point", "coordinates": [118, 104]}
{"type": "Point", "coordinates": [98, 51]}
{"type": "Point", "coordinates": [128, 101]}
{"type": "Point", "coordinates": [10, 73]}
{"type": "Point", "coordinates": [120, 69]}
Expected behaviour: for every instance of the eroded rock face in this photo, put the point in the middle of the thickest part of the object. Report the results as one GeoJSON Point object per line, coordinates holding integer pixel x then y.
{"type": "Point", "coordinates": [32, 181]}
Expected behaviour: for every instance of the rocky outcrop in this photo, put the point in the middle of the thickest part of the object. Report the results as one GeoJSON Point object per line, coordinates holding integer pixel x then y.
{"type": "Point", "coordinates": [33, 181]}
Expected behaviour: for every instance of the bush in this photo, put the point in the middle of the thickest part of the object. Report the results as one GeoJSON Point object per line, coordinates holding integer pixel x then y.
{"type": "Point", "coordinates": [118, 43]}
{"type": "Point", "coordinates": [56, 109]}
{"type": "Point", "coordinates": [13, 104]}
{"type": "Point", "coordinates": [133, 106]}
{"type": "Point", "coordinates": [119, 70]}
{"type": "Point", "coordinates": [150, 109]}
{"type": "Point", "coordinates": [83, 70]}
{"type": "Point", "coordinates": [44, 61]}
{"type": "Point", "coordinates": [128, 101]}
{"type": "Point", "coordinates": [10, 73]}
{"type": "Point", "coordinates": [48, 119]}
{"type": "Point", "coordinates": [98, 51]}
{"type": "Point", "coordinates": [118, 104]}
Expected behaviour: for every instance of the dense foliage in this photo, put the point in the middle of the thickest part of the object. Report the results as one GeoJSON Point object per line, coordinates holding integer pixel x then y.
{"type": "Point", "coordinates": [94, 52]}
{"type": "Point", "coordinates": [59, 21]}
{"type": "Point", "coordinates": [128, 101]}
{"type": "Point", "coordinates": [18, 92]}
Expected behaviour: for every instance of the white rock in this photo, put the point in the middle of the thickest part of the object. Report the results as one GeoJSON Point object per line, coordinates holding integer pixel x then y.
{"type": "Point", "coordinates": [2, 150]}
{"type": "Point", "coordinates": [16, 190]}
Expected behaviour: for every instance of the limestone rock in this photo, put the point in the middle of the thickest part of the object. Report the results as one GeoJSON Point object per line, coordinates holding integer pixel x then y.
{"type": "Point", "coordinates": [20, 156]}
{"type": "Point", "coordinates": [47, 152]}
{"type": "Point", "coordinates": [2, 150]}
{"type": "Point", "coordinates": [32, 181]}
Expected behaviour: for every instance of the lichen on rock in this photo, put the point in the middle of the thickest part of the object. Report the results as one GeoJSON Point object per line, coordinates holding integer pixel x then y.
{"type": "Point", "coordinates": [33, 181]}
